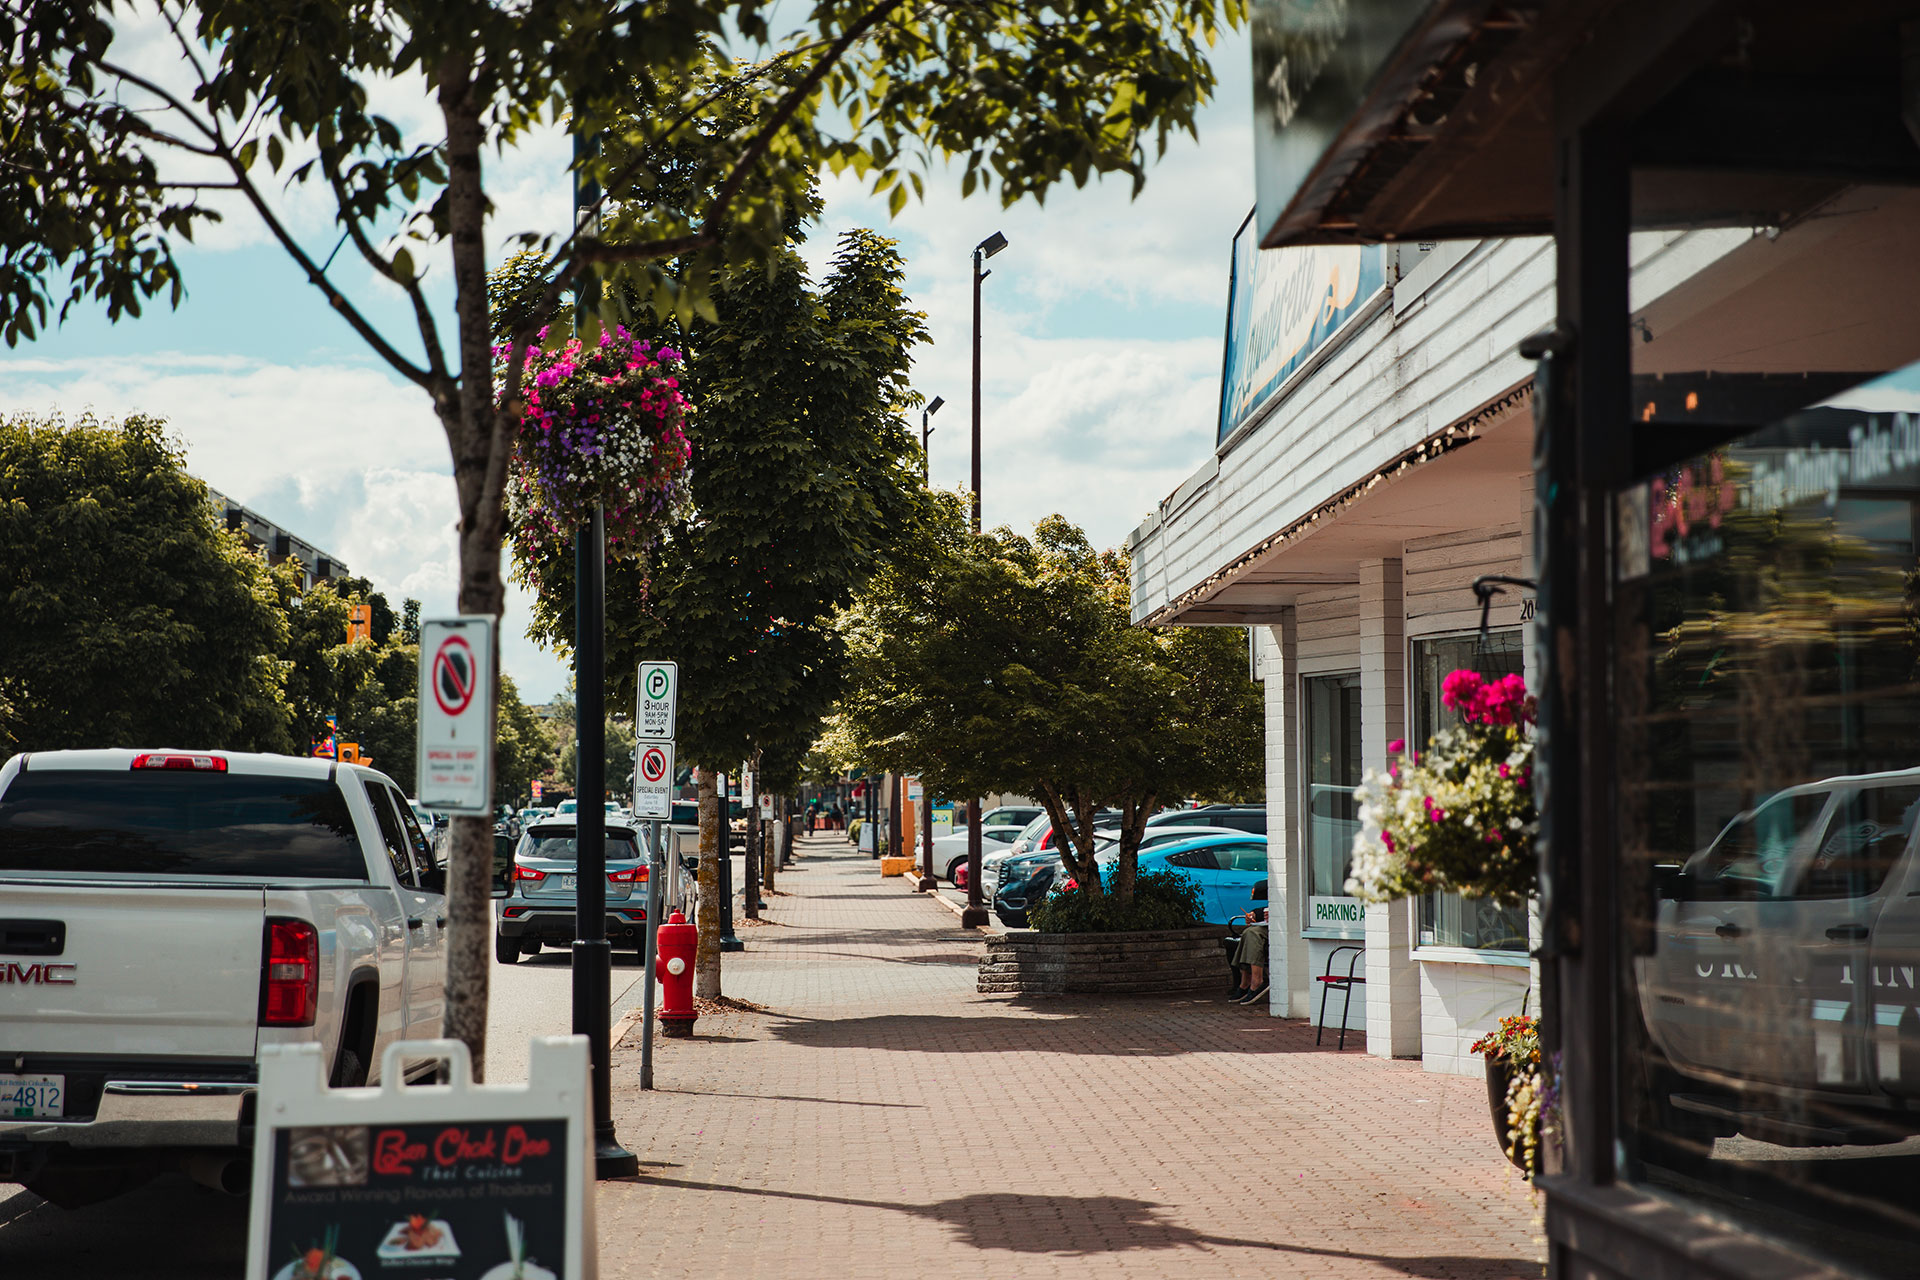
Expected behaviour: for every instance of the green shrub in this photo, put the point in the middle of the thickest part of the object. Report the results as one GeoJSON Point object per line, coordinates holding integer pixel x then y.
{"type": "Point", "coordinates": [1161, 900]}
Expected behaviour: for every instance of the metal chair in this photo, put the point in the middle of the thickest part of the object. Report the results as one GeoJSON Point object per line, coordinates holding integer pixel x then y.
{"type": "Point", "coordinates": [1329, 980]}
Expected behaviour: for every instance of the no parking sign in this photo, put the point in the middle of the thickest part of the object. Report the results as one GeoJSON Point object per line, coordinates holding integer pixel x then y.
{"type": "Point", "coordinates": [455, 769]}
{"type": "Point", "coordinates": [653, 780]}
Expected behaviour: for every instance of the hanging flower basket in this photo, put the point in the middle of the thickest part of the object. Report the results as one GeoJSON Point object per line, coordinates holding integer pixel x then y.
{"type": "Point", "coordinates": [604, 424]}
{"type": "Point", "coordinates": [1459, 817]}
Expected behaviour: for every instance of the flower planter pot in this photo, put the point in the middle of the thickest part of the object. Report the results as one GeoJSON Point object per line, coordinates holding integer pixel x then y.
{"type": "Point", "coordinates": [1499, 1075]}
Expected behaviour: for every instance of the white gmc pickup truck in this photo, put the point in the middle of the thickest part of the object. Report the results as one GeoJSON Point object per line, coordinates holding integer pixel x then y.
{"type": "Point", "coordinates": [163, 914]}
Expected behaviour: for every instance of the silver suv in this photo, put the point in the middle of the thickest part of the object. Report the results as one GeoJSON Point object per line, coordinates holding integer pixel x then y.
{"type": "Point", "coordinates": [541, 890]}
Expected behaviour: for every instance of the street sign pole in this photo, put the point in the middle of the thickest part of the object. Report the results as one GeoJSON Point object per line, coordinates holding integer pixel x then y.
{"type": "Point", "coordinates": [655, 718]}
{"type": "Point", "coordinates": [656, 901]}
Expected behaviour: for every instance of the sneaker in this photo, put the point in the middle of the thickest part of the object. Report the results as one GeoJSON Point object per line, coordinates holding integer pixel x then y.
{"type": "Point", "coordinates": [1256, 994]}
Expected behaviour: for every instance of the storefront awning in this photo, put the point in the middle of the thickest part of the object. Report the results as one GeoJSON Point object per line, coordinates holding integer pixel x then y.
{"type": "Point", "coordinates": [1382, 120]}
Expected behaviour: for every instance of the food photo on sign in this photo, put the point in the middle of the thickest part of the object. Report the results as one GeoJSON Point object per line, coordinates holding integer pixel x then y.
{"type": "Point", "coordinates": [450, 1201]}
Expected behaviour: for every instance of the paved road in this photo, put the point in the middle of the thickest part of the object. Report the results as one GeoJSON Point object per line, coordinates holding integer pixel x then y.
{"type": "Point", "coordinates": [174, 1228]}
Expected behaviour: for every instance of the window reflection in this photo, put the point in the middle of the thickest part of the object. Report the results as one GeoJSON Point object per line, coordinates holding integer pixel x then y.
{"type": "Point", "coordinates": [1768, 677]}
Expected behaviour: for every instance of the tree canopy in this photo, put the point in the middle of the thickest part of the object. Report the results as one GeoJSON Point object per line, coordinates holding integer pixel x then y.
{"type": "Point", "coordinates": [995, 662]}
{"type": "Point", "coordinates": [128, 616]}
{"type": "Point", "coordinates": [806, 476]}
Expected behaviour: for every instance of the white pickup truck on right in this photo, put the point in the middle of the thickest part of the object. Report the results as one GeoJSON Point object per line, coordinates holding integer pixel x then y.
{"type": "Point", "coordinates": [164, 914]}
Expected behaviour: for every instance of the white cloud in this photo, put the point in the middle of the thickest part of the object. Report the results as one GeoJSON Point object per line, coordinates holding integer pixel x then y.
{"type": "Point", "coordinates": [341, 454]}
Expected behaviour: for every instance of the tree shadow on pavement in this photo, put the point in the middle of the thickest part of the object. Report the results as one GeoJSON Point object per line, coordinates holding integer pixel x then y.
{"type": "Point", "coordinates": [1084, 1226]}
{"type": "Point", "coordinates": [1146, 1029]}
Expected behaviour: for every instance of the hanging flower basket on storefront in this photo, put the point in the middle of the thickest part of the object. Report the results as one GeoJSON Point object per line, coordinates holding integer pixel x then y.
{"type": "Point", "coordinates": [604, 425]}
{"type": "Point", "coordinates": [1458, 817]}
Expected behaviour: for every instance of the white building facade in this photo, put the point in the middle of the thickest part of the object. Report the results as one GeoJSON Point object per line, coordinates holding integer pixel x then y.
{"type": "Point", "coordinates": [1344, 517]}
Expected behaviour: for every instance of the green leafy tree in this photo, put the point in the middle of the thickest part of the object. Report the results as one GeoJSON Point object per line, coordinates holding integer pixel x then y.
{"type": "Point", "coordinates": [806, 476]}
{"type": "Point", "coordinates": [992, 663]}
{"type": "Point", "coordinates": [95, 191]}
{"type": "Point", "coordinates": [382, 713]}
{"type": "Point", "coordinates": [128, 617]}
{"type": "Point", "coordinates": [523, 748]}
{"type": "Point", "coordinates": [618, 759]}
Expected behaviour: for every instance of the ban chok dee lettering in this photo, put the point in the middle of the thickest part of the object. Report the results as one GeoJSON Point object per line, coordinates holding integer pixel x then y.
{"type": "Point", "coordinates": [396, 1152]}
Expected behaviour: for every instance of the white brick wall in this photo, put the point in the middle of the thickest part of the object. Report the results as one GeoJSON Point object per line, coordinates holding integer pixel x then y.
{"type": "Point", "coordinates": [1460, 1002]}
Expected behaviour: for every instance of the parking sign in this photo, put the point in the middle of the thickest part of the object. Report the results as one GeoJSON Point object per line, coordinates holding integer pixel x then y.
{"type": "Point", "coordinates": [659, 696]}
{"type": "Point", "coordinates": [653, 780]}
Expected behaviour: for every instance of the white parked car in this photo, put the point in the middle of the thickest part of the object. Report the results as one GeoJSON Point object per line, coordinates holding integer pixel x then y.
{"type": "Point", "coordinates": [168, 913]}
{"type": "Point", "coordinates": [950, 852]}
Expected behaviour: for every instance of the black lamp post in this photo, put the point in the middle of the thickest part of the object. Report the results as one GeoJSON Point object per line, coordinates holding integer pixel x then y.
{"type": "Point", "coordinates": [592, 955]}
{"type": "Point", "coordinates": [926, 430]}
{"type": "Point", "coordinates": [975, 916]}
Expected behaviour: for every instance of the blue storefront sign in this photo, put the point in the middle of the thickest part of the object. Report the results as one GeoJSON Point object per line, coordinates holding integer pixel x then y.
{"type": "Point", "coordinates": [1282, 306]}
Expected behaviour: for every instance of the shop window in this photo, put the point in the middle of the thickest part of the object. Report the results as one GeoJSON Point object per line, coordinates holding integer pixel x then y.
{"type": "Point", "coordinates": [1334, 764]}
{"type": "Point", "coordinates": [1767, 681]}
{"type": "Point", "coordinates": [1448, 919]}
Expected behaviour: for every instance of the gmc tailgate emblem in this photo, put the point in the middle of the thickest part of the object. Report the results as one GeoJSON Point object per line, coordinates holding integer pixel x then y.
{"type": "Point", "coordinates": [44, 975]}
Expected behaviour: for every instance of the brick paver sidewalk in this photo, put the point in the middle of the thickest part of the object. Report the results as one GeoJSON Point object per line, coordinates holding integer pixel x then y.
{"type": "Point", "coordinates": [883, 1120]}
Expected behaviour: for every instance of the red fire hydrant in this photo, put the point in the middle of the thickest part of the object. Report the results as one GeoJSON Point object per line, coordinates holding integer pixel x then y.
{"type": "Point", "coordinates": [675, 946]}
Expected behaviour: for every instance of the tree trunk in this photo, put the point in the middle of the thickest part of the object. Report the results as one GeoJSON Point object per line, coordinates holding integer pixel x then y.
{"type": "Point", "coordinates": [713, 847]}
{"type": "Point", "coordinates": [1126, 868]}
{"type": "Point", "coordinates": [475, 434]}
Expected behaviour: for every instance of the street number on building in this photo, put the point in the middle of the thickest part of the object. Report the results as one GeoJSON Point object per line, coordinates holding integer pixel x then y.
{"type": "Point", "coordinates": [454, 769]}
{"type": "Point", "coordinates": [653, 780]}
{"type": "Point", "coordinates": [659, 695]}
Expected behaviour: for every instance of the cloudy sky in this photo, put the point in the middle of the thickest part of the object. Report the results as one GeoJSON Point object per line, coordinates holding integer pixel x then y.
{"type": "Point", "coordinates": [1103, 324]}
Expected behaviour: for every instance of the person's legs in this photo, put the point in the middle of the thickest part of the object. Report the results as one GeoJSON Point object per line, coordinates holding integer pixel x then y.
{"type": "Point", "coordinates": [1253, 946]}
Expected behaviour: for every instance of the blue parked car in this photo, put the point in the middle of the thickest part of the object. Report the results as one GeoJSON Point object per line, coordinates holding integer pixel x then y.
{"type": "Point", "coordinates": [1224, 868]}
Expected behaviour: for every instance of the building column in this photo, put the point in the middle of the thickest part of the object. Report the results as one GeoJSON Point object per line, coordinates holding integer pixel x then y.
{"type": "Point", "coordinates": [1288, 964]}
{"type": "Point", "coordinates": [1393, 980]}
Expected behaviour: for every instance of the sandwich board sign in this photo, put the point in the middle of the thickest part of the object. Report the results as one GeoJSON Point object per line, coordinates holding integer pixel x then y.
{"type": "Point", "coordinates": [653, 779]}
{"type": "Point", "coordinates": [456, 1181]}
{"type": "Point", "coordinates": [455, 757]}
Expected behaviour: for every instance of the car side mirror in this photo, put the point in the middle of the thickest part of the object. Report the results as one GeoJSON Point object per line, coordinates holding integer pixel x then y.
{"type": "Point", "coordinates": [1671, 882]}
{"type": "Point", "coordinates": [433, 880]}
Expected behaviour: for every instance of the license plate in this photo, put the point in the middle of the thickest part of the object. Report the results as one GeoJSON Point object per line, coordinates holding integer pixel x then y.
{"type": "Point", "coordinates": [32, 1097]}
{"type": "Point", "coordinates": [569, 883]}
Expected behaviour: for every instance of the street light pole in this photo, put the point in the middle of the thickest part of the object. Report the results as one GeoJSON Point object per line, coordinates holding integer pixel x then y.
{"type": "Point", "coordinates": [592, 955]}
{"type": "Point", "coordinates": [975, 916]}
{"type": "Point", "coordinates": [926, 459]}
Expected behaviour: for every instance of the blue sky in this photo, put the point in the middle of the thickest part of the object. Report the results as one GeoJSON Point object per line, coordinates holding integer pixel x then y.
{"type": "Point", "coordinates": [1103, 325]}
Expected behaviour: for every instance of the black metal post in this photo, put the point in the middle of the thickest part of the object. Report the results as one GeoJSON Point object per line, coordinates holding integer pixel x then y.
{"type": "Point", "coordinates": [927, 883]}
{"type": "Point", "coordinates": [975, 915]}
{"type": "Point", "coordinates": [592, 955]}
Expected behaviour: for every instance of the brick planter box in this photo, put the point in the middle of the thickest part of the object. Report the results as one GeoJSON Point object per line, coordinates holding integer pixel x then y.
{"type": "Point", "coordinates": [1165, 961]}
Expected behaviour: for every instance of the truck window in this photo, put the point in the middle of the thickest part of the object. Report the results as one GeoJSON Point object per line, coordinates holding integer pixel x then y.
{"type": "Point", "coordinates": [178, 823]}
{"type": "Point", "coordinates": [391, 833]}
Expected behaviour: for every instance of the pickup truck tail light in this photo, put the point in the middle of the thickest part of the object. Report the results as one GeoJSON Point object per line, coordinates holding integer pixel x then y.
{"type": "Point", "coordinates": [180, 760]}
{"type": "Point", "coordinates": [632, 875]}
{"type": "Point", "coordinates": [528, 874]}
{"type": "Point", "coordinates": [291, 991]}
